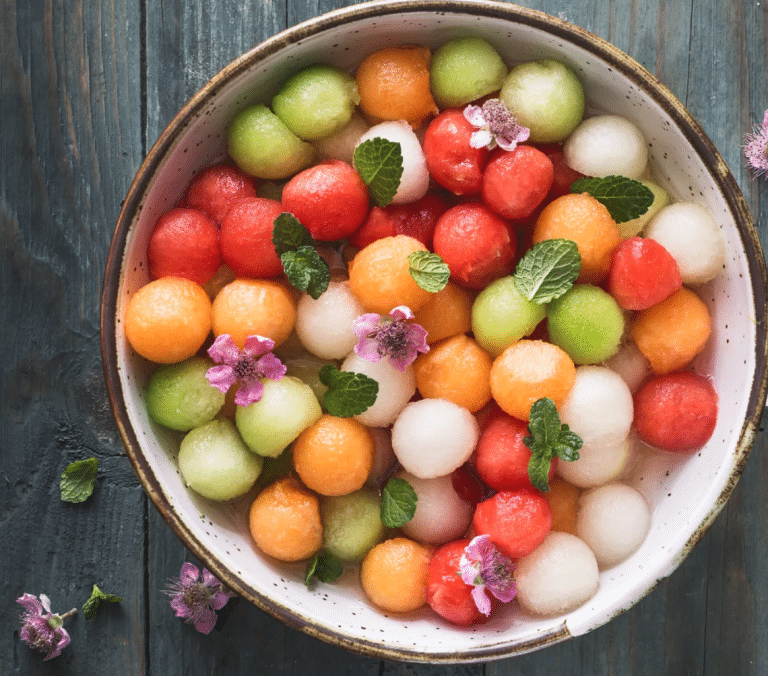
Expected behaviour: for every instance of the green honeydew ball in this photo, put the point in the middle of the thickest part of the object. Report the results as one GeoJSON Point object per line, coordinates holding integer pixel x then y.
{"type": "Point", "coordinates": [351, 524]}
{"type": "Point", "coordinates": [635, 226]}
{"type": "Point", "coordinates": [587, 323]}
{"type": "Point", "coordinates": [316, 102]}
{"type": "Point", "coordinates": [179, 396]}
{"type": "Point", "coordinates": [546, 97]}
{"type": "Point", "coordinates": [501, 316]}
{"type": "Point", "coordinates": [463, 70]}
{"type": "Point", "coordinates": [262, 146]}
{"type": "Point", "coordinates": [215, 462]}
{"type": "Point", "coordinates": [287, 407]}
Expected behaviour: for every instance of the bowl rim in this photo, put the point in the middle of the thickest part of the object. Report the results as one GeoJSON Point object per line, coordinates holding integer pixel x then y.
{"type": "Point", "coordinates": [591, 43]}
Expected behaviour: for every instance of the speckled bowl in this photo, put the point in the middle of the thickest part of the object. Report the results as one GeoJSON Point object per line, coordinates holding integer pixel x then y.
{"type": "Point", "coordinates": [685, 496]}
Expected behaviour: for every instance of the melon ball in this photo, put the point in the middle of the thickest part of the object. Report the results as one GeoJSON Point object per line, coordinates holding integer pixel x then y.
{"type": "Point", "coordinates": [414, 182]}
{"type": "Point", "coordinates": [690, 233]}
{"type": "Point", "coordinates": [559, 575]}
{"type": "Point", "coordinates": [631, 364]}
{"type": "Point", "coordinates": [597, 464]}
{"type": "Point", "coordinates": [432, 437]}
{"type": "Point", "coordinates": [341, 144]}
{"type": "Point", "coordinates": [351, 524]}
{"type": "Point", "coordinates": [441, 515]}
{"type": "Point", "coordinates": [383, 456]}
{"type": "Point", "coordinates": [607, 145]}
{"type": "Point", "coordinates": [599, 407]}
{"type": "Point", "coordinates": [395, 389]}
{"type": "Point", "coordinates": [613, 520]}
{"type": "Point", "coordinates": [325, 326]}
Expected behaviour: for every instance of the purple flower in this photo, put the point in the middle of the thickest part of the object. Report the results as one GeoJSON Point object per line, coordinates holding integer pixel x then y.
{"type": "Point", "coordinates": [497, 126]}
{"type": "Point", "coordinates": [248, 365]}
{"type": "Point", "coordinates": [391, 337]}
{"type": "Point", "coordinates": [756, 148]}
{"type": "Point", "coordinates": [197, 600]}
{"type": "Point", "coordinates": [41, 629]}
{"type": "Point", "coordinates": [484, 566]}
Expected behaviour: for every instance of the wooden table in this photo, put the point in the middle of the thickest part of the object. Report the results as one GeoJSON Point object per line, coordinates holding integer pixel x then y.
{"type": "Point", "coordinates": [87, 86]}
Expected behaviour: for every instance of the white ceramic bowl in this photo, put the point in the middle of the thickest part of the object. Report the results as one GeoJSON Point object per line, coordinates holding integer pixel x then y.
{"type": "Point", "coordinates": [685, 495]}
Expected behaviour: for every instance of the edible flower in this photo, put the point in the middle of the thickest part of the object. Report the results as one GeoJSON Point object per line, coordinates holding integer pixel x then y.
{"type": "Point", "coordinates": [756, 148]}
{"type": "Point", "coordinates": [42, 629]}
{"type": "Point", "coordinates": [391, 337]}
{"type": "Point", "coordinates": [497, 126]}
{"type": "Point", "coordinates": [484, 566]}
{"type": "Point", "coordinates": [197, 600]}
{"type": "Point", "coordinates": [248, 366]}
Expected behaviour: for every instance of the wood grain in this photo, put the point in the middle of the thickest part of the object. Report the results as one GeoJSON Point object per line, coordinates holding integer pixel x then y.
{"type": "Point", "coordinates": [86, 88]}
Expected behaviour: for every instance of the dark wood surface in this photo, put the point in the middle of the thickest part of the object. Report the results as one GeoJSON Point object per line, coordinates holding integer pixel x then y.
{"type": "Point", "coordinates": [86, 88]}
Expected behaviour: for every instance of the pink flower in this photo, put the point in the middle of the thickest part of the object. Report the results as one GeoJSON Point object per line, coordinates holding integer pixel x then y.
{"type": "Point", "coordinates": [195, 600]}
{"type": "Point", "coordinates": [248, 365]}
{"type": "Point", "coordinates": [484, 566]}
{"type": "Point", "coordinates": [497, 126]}
{"type": "Point", "coordinates": [391, 337]}
{"type": "Point", "coordinates": [41, 629]}
{"type": "Point", "coordinates": [756, 148]}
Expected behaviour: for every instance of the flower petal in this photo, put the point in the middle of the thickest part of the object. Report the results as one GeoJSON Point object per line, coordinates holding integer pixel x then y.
{"type": "Point", "coordinates": [269, 366]}
{"type": "Point", "coordinates": [481, 600]}
{"type": "Point", "coordinates": [249, 392]}
{"type": "Point", "coordinates": [401, 313]}
{"type": "Point", "coordinates": [481, 139]}
{"type": "Point", "coordinates": [32, 605]}
{"type": "Point", "coordinates": [368, 349]}
{"type": "Point", "coordinates": [221, 377]}
{"type": "Point", "coordinates": [61, 637]}
{"type": "Point", "coordinates": [189, 574]}
{"type": "Point", "coordinates": [366, 324]}
{"type": "Point", "coordinates": [180, 607]}
{"type": "Point", "coordinates": [224, 350]}
{"type": "Point", "coordinates": [46, 603]}
{"type": "Point", "coordinates": [474, 115]}
{"type": "Point", "coordinates": [219, 599]}
{"type": "Point", "coordinates": [255, 346]}
{"type": "Point", "coordinates": [205, 620]}
{"type": "Point", "coordinates": [209, 579]}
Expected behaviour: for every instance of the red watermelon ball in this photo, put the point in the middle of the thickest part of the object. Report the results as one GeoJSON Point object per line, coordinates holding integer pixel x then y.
{"type": "Point", "coordinates": [184, 243]}
{"type": "Point", "coordinates": [246, 238]}
{"type": "Point", "coordinates": [676, 411]}
{"type": "Point", "coordinates": [477, 245]}
{"type": "Point", "coordinates": [329, 199]}
{"type": "Point", "coordinates": [217, 189]}
{"type": "Point", "coordinates": [642, 273]}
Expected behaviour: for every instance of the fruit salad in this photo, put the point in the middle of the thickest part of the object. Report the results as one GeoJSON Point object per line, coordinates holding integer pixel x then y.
{"type": "Point", "coordinates": [422, 319]}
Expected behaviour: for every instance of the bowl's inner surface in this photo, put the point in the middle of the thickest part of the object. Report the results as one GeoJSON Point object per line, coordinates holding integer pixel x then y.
{"type": "Point", "coordinates": [682, 494]}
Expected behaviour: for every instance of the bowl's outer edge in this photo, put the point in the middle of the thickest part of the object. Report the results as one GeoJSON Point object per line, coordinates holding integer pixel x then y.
{"type": "Point", "coordinates": [691, 129]}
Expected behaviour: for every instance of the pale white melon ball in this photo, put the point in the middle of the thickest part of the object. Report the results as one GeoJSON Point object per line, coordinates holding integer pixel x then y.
{"type": "Point", "coordinates": [690, 233]}
{"type": "Point", "coordinates": [613, 520]}
{"type": "Point", "coordinates": [414, 182]}
{"type": "Point", "coordinates": [383, 456]}
{"type": "Point", "coordinates": [599, 407]}
{"type": "Point", "coordinates": [341, 145]}
{"type": "Point", "coordinates": [432, 437]}
{"type": "Point", "coordinates": [325, 326]}
{"type": "Point", "coordinates": [596, 465]}
{"type": "Point", "coordinates": [607, 145]}
{"type": "Point", "coordinates": [441, 515]}
{"type": "Point", "coordinates": [631, 364]}
{"type": "Point", "coordinates": [395, 389]}
{"type": "Point", "coordinates": [559, 575]}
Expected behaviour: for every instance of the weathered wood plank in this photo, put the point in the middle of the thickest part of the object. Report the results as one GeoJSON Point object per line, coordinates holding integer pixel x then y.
{"type": "Point", "coordinates": [69, 147]}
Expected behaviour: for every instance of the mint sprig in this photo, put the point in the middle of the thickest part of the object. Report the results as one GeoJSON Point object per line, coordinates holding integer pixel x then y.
{"type": "Point", "coordinates": [92, 606]}
{"type": "Point", "coordinates": [548, 270]}
{"type": "Point", "coordinates": [348, 393]}
{"type": "Point", "coordinates": [78, 480]}
{"type": "Point", "coordinates": [549, 439]}
{"type": "Point", "coordinates": [625, 198]}
{"type": "Point", "coordinates": [398, 503]}
{"type": "Point", "coordinates": [428, 270]}
{"type": "Point", "coordinates": [380, 164]}
{"type": "Point", "coordinates": [324, 567]}
{"type": "Point", "coordinates": [305, 268]}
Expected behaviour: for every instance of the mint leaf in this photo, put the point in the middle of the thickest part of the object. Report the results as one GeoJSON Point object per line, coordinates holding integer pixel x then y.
{"type": "Point", "coordinates": [428, 270]}
{"type": "Point", "coordinates": [398, 503]}
{"type": "Point", "coordinates": [548, 270]}
{"type": "Point", "coordinates": [548, 439]}
{"type": "Point", "coordinates": [380, 164]}
{"type": "Point", "coordinates": [78, 480]}
{"type": "Point", "coordinates": [92, 606]}
{"type": "Point", "coordinates": [306, 270]}
{"type": "Point", "coordinates": [348, 393]}
{"type": "Point", "coordinates": [625, 198]}
{"type": "Point", "coordinates": [288, 234]}
{"type": "Point", "coordinates": [324, 567]}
